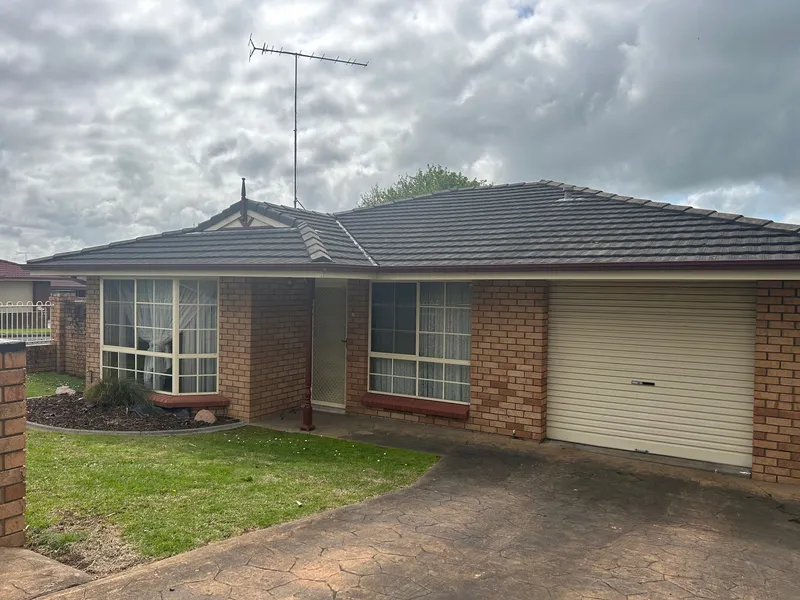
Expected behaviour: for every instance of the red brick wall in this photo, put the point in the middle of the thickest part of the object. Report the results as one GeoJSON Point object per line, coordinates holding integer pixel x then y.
{"type": "Point", "coordinates": [12, 444]}
{"type": "Point", "coordinates": [42, 358]}
{"type": "Point", "coordinates": [508, 375]}
{"type": "Point", "coordinates": [776, 416]}
{"type": "Point", "coordinates": [281, 319]}
{"type": "Point", "coordinates": [68, 332]}
{"type": "Point", "coordinates": [92, 329]}
{"type": "Point", "coordinates": [73, 341]}
{"type": "Point", "coordinates": [66, 352]}
{"type": "Point", "coordinates": [235, 344]}
{"type": "Point", "coordinates": [509, 358]}
{"type": "Point", "coordinates": [357, 340]}
{"type": "Point", "coordinates": [263, 336]}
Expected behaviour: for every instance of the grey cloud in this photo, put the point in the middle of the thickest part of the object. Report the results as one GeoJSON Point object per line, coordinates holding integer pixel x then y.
{"type": "Point", "coordinates": [113, 127]}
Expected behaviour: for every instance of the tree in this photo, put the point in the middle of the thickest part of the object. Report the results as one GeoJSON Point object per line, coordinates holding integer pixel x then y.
{"type": "Point", "coordinates": [434, 179]}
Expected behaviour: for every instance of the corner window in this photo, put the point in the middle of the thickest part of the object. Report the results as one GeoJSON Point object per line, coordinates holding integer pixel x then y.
{"type": "Point", "coordinates": [420, 340]}
{"type": "Point", "coordinates": [162, 332]}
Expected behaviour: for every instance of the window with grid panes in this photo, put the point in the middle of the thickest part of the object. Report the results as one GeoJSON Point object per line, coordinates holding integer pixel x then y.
{"type": "Point", "coordinates": [162, 332]}
{"type": "Point", "coordinates": [420, 340]}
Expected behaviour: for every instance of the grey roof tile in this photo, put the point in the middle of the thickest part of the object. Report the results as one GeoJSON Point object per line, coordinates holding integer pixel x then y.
{"type": "Point", "coordinates": [540, 224]}
{"type": "Point", "coordinates": [545, 223]}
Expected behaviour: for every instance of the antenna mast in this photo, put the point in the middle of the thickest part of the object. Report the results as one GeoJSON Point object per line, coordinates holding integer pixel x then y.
{"type": "Point", "coordinates": [264, 49]}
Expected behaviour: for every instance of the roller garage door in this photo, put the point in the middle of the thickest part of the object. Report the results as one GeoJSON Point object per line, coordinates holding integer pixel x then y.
{"type": "Point", "coordinates": [664, 368]}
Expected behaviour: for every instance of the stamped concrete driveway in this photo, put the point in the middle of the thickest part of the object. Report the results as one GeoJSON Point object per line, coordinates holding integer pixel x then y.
{"type": "Point", "coordinates": [499, 524]}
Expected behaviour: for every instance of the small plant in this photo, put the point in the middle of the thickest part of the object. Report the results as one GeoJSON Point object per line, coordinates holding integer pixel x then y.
{"type": "Point", "coordinates": [109, 393]}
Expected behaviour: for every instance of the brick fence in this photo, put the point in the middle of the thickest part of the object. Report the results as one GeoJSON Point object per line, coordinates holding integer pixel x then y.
{"type": "Point", "coordinates": [42, 358]}
{"type": "Point", "coordinates": [66, 352]}
{"type": "Point", "coordinates": [12, 443]}
{"type": "Point", "coordinates": [68, 331]}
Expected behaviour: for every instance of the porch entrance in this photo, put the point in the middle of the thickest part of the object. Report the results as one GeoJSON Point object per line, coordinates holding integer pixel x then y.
{"type": "Point", "coordinates": [330, 344]}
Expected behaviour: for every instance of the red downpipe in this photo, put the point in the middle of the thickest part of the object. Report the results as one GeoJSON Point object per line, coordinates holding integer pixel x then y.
{"type": "Point", "coordinates": [307, 413]}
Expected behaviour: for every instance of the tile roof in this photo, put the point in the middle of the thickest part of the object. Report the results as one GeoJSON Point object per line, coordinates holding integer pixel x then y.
{"type": "Point", "coordinates": [9, 269]}
{"type": "Point", "coordinates": [338, 244]}
{"type": "Point", "coordinates": [246, 247]}
{"type": "Point", "coordinates": [13, 271]}
{"type": "Point", "coordinates": [548, 223]}
{"type": "Point", "coordinates": [541, 224]}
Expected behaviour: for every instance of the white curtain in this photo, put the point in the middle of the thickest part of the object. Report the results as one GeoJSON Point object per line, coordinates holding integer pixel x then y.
{"type": "Point", "coordinates": [154, 326]}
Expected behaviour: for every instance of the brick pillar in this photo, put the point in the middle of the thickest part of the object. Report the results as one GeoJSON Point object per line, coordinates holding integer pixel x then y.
{"type": "Point", "coordinates": [776, 413]}
{"type": "Point", "coordinates": [236, 344]}
{"type": "Point", "coordinates": [12, 443]}
{"type": "Point", "coordinates": [263, 332]}
{"type": "Point", "coordinates": [508, 376]}
{"type": "Point", "coordinates": [67, 332]}
{"type": "Point", "coordinates": [357, 340]}
{"type": "Point", "coordinates": [92, 331]}
{"type": "Point", "coordinates": [57, 330]}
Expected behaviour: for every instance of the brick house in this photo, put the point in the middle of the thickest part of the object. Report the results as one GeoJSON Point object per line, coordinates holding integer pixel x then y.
{"type": "Point", "coordinates": [540, 310]}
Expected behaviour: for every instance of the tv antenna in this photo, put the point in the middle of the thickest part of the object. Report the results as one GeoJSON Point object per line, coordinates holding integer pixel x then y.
{"type": "Point", "coordinates": [264, 49]}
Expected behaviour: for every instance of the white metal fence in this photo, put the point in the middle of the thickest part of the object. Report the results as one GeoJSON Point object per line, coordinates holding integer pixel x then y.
{"type": "Point", "coordinates": [25, 321]}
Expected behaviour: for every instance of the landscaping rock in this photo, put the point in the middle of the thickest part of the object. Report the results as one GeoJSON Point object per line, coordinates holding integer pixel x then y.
{"type": "Point", "coordinates": [74, 412]}
{"type": "Point", "coordinates": [146, 410]}
{"type": "Point", "coordinates": [65, 390]}
{"type": "Point", "coordinates": [205, 416]}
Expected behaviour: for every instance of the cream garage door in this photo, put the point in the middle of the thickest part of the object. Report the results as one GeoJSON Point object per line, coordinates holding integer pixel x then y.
{"type": "Point", "coordinates": [663, 368]}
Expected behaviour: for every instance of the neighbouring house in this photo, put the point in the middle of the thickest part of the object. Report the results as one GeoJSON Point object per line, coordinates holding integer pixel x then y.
{"type": "Point", "coordinates": [18, 285]}
{"type": "Point", "coordinates": [539, 310]}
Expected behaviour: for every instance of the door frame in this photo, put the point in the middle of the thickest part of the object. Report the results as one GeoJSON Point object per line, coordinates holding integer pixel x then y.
{"type": "Point", "coordinates": [321, 284]}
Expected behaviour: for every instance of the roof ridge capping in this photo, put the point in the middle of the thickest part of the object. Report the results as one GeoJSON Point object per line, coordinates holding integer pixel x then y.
{"type": "Point", "coordinates": [436, 193]}
{"type": "Point", "coordinates": [766, 223]}
{"type": "Point", "coordinates": [314, 245]}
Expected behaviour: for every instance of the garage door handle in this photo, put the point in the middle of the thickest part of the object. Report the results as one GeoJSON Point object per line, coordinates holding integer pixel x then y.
{"type": "Point", "coordinates": [637, 382]}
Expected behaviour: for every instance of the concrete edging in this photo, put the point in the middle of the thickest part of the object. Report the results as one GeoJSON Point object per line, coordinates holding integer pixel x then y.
{"type": "Point", "coordinates": [169, 432]}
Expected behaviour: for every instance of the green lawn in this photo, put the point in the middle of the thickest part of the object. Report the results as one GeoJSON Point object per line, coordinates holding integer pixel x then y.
{"type": "Point", "coordinates": [169, 494]}
{"type": "Point", "coordinates": [7, 332]}
{"type": "Point", "coordinates": [45, 384]}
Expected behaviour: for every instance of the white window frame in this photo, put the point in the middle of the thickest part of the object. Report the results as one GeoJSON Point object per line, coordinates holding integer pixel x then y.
{"type": "Point", "coordinates": [175, 355]}
{"type": "Point", "coordinates": [416, 356]}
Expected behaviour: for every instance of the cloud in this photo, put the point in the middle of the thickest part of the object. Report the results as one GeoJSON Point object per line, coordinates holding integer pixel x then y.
{"type": "Point", "coordinates": [119, 120]}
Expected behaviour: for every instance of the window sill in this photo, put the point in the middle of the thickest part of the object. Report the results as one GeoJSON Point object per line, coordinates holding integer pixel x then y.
{"type": "Point", "coordinates": [416, 405]}
{"type": "Point", "coordinates": [189, 400]}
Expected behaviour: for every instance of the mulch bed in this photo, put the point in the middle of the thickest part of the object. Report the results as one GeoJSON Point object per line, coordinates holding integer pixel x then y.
{"type": "Point", "coordinates": [76, 413]}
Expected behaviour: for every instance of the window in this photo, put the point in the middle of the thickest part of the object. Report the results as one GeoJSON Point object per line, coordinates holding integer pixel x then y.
{"type": "Point", "coordinates": [162, 332]}
{"type": "Point", "coordinates": [420, 340]}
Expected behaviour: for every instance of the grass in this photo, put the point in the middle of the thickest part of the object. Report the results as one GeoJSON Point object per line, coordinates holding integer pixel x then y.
{"type": "Point", "coordinates": [45, 384]}
{"type": "Point", "coordinates": [167, 495]}
{"type": "Point", "coordinates": [7, 332]}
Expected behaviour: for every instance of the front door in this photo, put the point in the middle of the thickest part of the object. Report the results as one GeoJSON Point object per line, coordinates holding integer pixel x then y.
{"type": "Point", "coordinates": [330, 331]}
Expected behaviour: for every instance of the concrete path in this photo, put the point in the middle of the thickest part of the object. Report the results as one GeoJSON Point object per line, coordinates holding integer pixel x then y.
{"type": "Point", "coordinates": [25, 574]}
{"type": "Point", "coordinates": [490, 523]}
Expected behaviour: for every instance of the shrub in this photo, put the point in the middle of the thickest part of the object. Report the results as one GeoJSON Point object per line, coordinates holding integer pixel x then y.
{"type": "Point", "coordinates": [109, 393]}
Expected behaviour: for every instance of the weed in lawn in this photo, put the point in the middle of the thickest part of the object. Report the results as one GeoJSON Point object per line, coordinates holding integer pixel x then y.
{"type": "Point", "coordinates": [90, 544]}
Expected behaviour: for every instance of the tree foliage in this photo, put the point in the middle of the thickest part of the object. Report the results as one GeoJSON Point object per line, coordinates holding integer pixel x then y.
{"type": "Point", "coordinates": [434, 178]}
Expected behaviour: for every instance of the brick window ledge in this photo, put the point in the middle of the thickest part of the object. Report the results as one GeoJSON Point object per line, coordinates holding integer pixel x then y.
{"type": "Point", "coordinates": [416, 405]}
{"type": "Point", "coordinates": [189, 400]}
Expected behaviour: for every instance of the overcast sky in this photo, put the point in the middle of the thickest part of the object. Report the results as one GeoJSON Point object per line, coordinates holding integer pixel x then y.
{"type": "Point", "coordinates": [121, 118]}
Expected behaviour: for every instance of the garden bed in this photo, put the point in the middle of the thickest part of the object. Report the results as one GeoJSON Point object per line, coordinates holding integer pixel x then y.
{"type": "Point", "coordinates": [75, 412]}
